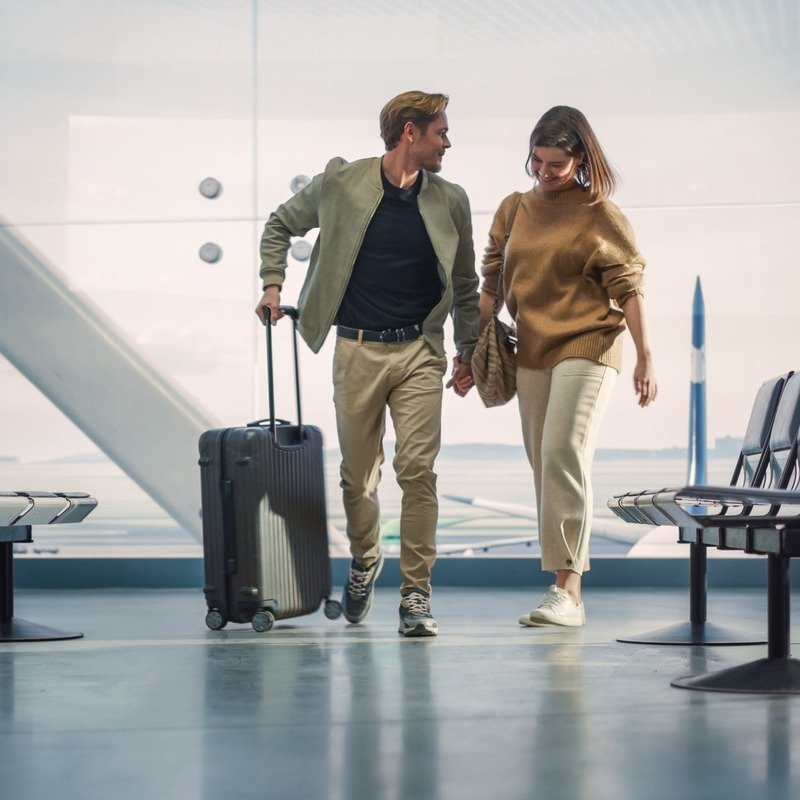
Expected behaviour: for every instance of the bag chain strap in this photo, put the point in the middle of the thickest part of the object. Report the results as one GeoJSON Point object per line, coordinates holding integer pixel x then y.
{"type": "Point", "coordinates": [503, 259]}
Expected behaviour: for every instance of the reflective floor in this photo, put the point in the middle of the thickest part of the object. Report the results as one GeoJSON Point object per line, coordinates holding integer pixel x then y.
{"type": "Point", "coordinates": [152, 705]}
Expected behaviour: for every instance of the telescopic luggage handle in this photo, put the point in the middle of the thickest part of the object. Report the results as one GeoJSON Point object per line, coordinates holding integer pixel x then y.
{"type": "Point", "coordinates": [293, 314]}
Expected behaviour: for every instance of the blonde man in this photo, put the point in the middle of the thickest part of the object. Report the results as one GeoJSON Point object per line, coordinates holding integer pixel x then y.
{"type": "Point", "coordinates": [394, 257]}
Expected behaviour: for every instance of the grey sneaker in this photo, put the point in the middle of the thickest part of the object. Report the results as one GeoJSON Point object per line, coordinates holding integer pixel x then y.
{"type": "Point", "coordinates": [358, 596]}
{"type": "Point", "coordinates": [556, 609]}
{"type": "Point", "coordinates": [415, 616]}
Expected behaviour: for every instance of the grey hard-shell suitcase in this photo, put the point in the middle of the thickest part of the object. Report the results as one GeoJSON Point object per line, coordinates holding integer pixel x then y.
{"type": "Point", "coordinates": [265, 530]}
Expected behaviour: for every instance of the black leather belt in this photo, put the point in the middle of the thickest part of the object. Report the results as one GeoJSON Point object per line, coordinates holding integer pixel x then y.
{"type": "Point", "coordinates": [389, 336]}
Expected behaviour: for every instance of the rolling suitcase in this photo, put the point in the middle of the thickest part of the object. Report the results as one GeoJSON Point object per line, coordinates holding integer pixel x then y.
{"type": "Point", "coordinates": [265, 530]}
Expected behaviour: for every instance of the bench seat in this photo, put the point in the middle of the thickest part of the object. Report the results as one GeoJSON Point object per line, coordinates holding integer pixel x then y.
{"type": "Point", "coordinates": [19, 512]}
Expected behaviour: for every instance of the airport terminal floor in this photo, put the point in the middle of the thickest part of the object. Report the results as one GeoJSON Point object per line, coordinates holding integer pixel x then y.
{"type": "Point", "coordinates": [150, 704]}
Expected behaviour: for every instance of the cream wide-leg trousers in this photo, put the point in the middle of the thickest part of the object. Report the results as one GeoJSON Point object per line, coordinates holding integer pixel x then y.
{"type": "Point", "coordinates": [561, 410]}
{"type": "Point", "coordinates": [406, 378]}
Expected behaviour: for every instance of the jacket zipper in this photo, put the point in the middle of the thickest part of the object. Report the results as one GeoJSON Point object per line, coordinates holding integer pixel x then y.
{"type": "Point", "coordinates": [440, 267]}
{"type": "Point", "coordinates": [353, 259]}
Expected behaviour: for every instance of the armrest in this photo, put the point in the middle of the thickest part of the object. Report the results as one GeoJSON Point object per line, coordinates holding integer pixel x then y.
{"type": "Point", "coordinates": [737, 495]}
{"type": "Point", "coordinates": [80, 506]}
{"type": "Point", "coordinates": [12, 506]}
{"type": "Point", "coordinates": [638, 509]}
{"type": "Point", "coordinates": [631, 512]}
{"type": "Point", "coordinates": [685, 506]}
{"type": "Point", "coordinates": [651, 507]}
{"type": "Point", "coordinates": [45, 507]}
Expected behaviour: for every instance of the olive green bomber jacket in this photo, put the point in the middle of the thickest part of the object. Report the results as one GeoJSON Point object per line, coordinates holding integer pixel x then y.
{"type": "Point", "coordinates": [341, 202]}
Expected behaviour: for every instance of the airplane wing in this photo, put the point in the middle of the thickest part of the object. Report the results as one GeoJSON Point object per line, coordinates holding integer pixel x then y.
{"type": "Point", "coordinates": [469, 549]}
{"type": "Point", "coordinates": [616, 530]}
{"type": "Point", "coordinates": [607, 527]}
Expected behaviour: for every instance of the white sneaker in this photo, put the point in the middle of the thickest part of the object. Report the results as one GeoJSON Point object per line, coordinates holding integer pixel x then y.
{"type": "Point", "coordinates": [557, 608]}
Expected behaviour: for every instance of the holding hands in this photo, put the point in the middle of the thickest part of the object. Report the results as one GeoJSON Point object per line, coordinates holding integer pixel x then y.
{"type": "Point", "coordinates": [461, 377]}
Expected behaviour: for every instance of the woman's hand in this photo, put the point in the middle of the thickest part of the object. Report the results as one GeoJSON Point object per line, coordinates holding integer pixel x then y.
{"type": "Point", "coordinates": [645, 383]}
{"type": "Point", "coordinates": [644, 375]}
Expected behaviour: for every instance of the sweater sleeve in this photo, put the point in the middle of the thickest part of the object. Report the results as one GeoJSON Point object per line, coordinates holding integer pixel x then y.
{"type": "Point", "coordinates": [616, 263]}
{"type": "Point", "coordinates": [498, 233]}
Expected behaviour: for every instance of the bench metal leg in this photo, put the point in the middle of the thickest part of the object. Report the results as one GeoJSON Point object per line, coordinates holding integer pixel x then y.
{"type": "Point", "coordinates": [778, 673]}
{"type": "Point", "coordinates": [778, 611]}
{"type": "Point", "coordinates": [697, 631]}
{"type": "Point", "coordinates": [11, 628]}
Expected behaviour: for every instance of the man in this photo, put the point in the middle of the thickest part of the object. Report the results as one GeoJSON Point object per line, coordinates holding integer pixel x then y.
{"type": "Point", "coordinates": [394, 256]}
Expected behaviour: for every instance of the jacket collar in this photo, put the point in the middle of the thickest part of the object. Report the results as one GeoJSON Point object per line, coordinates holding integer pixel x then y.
{"type": "Point", "coordinates": [375, 176]}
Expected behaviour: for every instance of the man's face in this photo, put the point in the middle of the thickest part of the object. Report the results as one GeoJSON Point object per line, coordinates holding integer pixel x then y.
{"type": "Point", "coordinates": [428, 148]}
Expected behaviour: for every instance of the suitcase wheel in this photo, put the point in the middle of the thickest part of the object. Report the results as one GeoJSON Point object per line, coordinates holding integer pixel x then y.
{"type": "Point", "coordinates": [215, 620]}
{"type": "Point", "coordinates": [333, 609]}
{"type": "Point", "coordinates": [263, 621]}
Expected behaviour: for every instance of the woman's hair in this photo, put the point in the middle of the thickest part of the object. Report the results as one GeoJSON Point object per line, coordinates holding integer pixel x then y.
{"type": "Point", "coordinates": [567, 129]}
{"type": "Point", "coordinates": [417, 107]}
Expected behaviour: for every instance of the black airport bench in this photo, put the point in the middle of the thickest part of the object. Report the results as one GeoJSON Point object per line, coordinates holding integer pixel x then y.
{"type": "Point", "coordinates": [758, 513]}
{"type": "Point", "coordinates": [19, 512]}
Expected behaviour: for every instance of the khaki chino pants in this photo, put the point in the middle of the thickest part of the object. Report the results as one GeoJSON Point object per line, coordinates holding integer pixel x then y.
{"type": "Point", "coordinates": [406, 378]}
{"type": "Point", "coordinates": [561, 410]}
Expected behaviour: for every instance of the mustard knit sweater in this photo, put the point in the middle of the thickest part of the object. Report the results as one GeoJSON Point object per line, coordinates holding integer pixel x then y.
{"type": "Point", "coordinates": [570, 264]}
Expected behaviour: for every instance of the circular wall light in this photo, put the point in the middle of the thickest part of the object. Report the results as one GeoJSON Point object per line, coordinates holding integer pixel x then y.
{"type": "Point", "coordinates": [210, 188]}
{"type": "Point", "coordinates": [301, 250]}
{"type": "Point", "coordinates": [299, 182]}
{"type": "Point", "coordinates": [210, 253]}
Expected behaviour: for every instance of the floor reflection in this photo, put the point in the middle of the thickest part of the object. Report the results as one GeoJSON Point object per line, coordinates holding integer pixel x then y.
{"type": "Point", "coordinates": [561, 725]}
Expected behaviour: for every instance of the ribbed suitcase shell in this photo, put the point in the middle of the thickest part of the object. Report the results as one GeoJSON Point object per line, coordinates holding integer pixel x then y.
{"type": "Point", "coordinates": [265, 530]}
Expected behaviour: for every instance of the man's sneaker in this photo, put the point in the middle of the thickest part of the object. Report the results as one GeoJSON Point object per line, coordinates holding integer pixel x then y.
{"type": "Point", "coordinates": [358, 595]}
{"type": "Point", "coordinates": [415, 616]}
{"type": "Point", "coordinates": [557, 608]}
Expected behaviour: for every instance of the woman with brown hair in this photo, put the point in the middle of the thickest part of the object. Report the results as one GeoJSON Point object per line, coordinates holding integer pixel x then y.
{"type": "Point", "coordinates": [572, 279]}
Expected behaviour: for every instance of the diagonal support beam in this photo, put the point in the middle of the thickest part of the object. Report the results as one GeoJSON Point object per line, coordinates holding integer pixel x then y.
{"type": "Point", "coordinates": [87, 366]}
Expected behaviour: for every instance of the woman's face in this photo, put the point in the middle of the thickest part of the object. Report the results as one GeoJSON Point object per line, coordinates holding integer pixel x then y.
{"type": "Point", "coordinates": [554, 168]}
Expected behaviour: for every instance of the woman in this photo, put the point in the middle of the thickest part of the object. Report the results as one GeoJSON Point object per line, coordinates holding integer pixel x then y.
{"type": "Point", "coordinates": [572, 279]}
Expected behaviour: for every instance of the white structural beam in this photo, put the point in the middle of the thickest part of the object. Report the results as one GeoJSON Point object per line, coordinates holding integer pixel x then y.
{"type": "Point", "coordinates": [86, 365]}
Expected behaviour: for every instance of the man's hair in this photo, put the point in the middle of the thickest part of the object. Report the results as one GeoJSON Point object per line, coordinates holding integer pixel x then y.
{"type": "Point", "coordinates": [417, 107]}
{"type": "Point", "coordinates": [568, 129]}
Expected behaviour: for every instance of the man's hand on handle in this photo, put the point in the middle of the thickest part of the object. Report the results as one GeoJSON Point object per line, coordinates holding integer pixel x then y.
{"type": "Point", "coordinates": [271, 299]}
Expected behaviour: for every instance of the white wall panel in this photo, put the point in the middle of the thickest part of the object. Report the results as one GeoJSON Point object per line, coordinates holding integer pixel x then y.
{"type": "Point", "coordinates": [150, 168]}
{"type": "Point", "coordinates": [130, 65]}
{"type": "Point", "coordinates": [193, 319]}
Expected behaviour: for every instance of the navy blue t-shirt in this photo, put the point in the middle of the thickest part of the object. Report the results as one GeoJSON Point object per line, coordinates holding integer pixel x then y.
{"type": "Point", "coordinates": [395, 281]}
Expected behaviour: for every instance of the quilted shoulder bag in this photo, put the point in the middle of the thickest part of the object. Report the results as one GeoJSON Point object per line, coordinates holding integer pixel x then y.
{"type": "Point", "coordinates": [494, 362]}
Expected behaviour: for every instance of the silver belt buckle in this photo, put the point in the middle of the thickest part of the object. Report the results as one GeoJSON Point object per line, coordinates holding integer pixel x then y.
{"type": "Point", "coordinates": [384, 335]}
